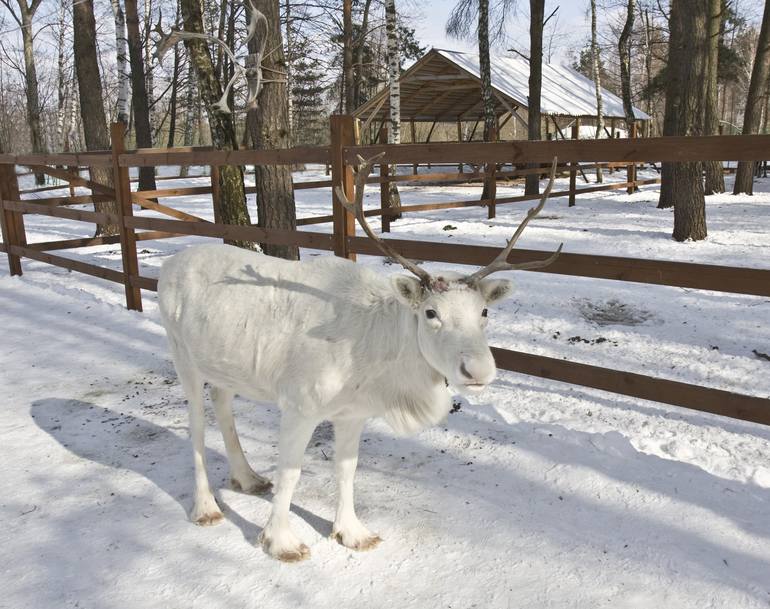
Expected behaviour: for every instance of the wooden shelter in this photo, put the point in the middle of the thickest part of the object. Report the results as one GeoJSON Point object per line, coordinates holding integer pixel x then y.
{"type": "Point", "coordinates": [445, 87]}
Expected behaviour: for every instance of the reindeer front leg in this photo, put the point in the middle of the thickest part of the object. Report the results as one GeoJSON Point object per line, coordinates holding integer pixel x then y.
{"type": "Point", "coordinates": [347, 529]}
{"type": "Point", "coordinates": [277, 538]}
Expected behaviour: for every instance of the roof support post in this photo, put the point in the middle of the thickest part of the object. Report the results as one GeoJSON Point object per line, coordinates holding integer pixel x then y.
{"type": "Point", "coordinates": [414, 141]}
{"type": "Point", "coordinates": [459, 139]}
{"type": "Point", "coordinates": [573, 165]}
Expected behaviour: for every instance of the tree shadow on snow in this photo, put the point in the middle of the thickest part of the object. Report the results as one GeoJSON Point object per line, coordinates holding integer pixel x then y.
{"type": "Point", "coordinates": [571, 518]}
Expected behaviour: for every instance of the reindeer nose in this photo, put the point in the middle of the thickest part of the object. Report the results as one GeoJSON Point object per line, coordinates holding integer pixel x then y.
{"type": "Point", "coordinates": [465, 372]}
{"type": "Point", "coordinates": [478, 371]}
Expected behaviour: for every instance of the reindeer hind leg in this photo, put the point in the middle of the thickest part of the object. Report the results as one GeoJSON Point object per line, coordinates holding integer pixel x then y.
{"type": "Point", "coordinates": [242, 476]}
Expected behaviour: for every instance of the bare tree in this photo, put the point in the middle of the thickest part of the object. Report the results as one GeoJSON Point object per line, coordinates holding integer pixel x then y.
{"type": "Point", "coordinates": [289, 70]}
{"type": "Point", "coordinates": [624, 51]}
{"type": "Point", "coordinates": [91, 99]}
{"type": "Point", "coordinates": [63, 80]}
{"type": "Point", "coordinates": [536, 16]}
{"type": "Point", "coordinates": [756, 100]}
{"type": "Point", "coordinates": [359, 44]}
{"type": "Point", "coordinates": [394, 88]}
{"type": "Point", "coordinates": [139, 99]}
{"type": "Point", "coordinates": [347, 56]}
{"type": "Point", "coordinates": [715, 179]}
{"type": "Point", "coordinates": [24, 18]}
{"type": "Point", "coordinates": [189, 113]}
{"type": "Point", "coordinates": [597, 76]}
{"type": "Point", "coordinates": [120, 57]}
{"type": "Point", "coordinates": [688, 55]}
{"type": "Point", "coordinates": [460, 25]}
{"type": "Point", "coordinates": [231, 206]}
{"type": "Point", "coordinates": [268, 127]}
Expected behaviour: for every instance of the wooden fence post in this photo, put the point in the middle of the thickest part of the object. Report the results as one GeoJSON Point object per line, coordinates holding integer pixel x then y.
{"type": "Point", "coordinates": [631, 169]}
{"type": "Point", "coordinates": [127, 235]}
{"type": "Point", "coordinates": [612, 137]}
{"type": "Point", "coordinates": [12, 222]}
{"type": "Point", "coordinates": [342, 134]}
{"type": "Point", "coordinates": [384, 184]}
{"type": "Point", "coordinates": [75, 170]}
{"type": "Point", "coordinates": [573, 166]}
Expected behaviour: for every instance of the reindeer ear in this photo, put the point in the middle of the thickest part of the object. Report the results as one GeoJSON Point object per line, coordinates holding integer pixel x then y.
{"type": "Point", "coordinates": [495, 289]}
{"type": "Point", "coordinates": [408, 289]}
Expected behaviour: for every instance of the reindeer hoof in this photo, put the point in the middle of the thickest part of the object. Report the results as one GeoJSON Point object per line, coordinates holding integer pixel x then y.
{"type": "Point", "coordinates": [284, 547]}
{"type": "Point", "coordinates": [299, 554]}
{"type": "Point", "coordinates": [358, 543]}
{"type": "Point", "coordinates": [255, 486]}
{"type": "Point", "coordinates": [206, 513]}
{"type": "Point", "coordinates": [208, 519]}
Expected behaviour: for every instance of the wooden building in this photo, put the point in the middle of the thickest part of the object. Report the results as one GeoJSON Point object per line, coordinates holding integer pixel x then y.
{"type": "Point", "coordinates": [441, 96]}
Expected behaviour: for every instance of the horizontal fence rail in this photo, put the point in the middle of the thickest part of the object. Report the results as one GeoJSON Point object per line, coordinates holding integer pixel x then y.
{"type": "Point", "coordinates": [736, 280]}
{"type": "Point", "coordinates": [487, 161]}
{"type": "Point", "coordinates": [670, 148]}
{"type": "Point", "coordinates": [705, 399]}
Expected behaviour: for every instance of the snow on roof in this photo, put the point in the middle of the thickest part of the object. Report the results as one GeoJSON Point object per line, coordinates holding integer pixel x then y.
{"type": "Point", "coordinates": [564, 91]}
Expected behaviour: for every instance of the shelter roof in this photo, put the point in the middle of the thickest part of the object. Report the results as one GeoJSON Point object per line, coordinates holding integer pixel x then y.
{"type": "Point", "coordinates": [445, 85]}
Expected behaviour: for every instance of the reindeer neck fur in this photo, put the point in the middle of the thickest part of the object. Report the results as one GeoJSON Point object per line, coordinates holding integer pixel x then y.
{"type": "Point", "coordinates": [402, 386]}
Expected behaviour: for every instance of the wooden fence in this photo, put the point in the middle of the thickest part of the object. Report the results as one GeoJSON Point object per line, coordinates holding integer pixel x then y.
{"type": "Point", "coordinates": [342, 154]}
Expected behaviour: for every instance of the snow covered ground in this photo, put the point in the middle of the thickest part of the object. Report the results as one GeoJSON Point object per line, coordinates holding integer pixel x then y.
{"type": "Point", "coordinates": [532, 494]}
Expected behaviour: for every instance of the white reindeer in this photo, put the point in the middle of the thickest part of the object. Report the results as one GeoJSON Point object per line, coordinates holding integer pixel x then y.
{"type": "Point", "coordinates": [325, 339]}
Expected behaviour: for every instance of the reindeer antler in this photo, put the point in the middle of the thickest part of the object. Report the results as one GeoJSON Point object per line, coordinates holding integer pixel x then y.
{"type": "Point", "coordinates": [500, 262]}
{"type": "Point", "coordinates": [357, 209]}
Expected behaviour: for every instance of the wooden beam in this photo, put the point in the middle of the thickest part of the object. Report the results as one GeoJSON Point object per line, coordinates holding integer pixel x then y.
{"type": "Point", "coordinates": [342, 135]}
{"type": "Point", "coordinates": [703, 399]}
{"type": "Point", "coordinates": [657, 272]}
{"type": "Point", "coordinates": [670, 148]}
{"type": "Point", "coordinates": [127, 235]}
{"type": "Point", "coordinates": [435, 77]}
{"type": "Point", "coordinates": [236, 232]}
{"type": "Point", "coordinates": [373, 114]}
{"type": "Point", "coordinates": [511, 108]}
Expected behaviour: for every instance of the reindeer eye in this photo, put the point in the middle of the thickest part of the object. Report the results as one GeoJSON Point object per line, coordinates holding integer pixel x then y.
{"type": "Point", "coordinates": [431, 314]}
{"type": "Point", "coordinates": [484, 313]}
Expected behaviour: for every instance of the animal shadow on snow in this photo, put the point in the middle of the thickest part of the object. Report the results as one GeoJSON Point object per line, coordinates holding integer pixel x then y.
{"type": "Point", "coordinates": [123, 441]}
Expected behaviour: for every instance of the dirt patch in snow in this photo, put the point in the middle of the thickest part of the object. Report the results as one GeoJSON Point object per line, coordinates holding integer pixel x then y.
{"type": "Point", "coordinates": [612, 312]}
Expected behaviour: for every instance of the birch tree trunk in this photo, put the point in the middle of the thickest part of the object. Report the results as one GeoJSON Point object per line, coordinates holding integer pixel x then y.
{"type": "Point", "coordinates": [394, 87]}
{"type": "Point", "coordinates": [597, 81]}
{"type": "Point", "coordinates": [624, 51]}
{"type": "Point", "coordinates": [715, 179]}
{"type": "Point", "coordinates": [486, 71]}
{"type": "Point", "coordinates": [268, 127]}
{"type": "Point", "coordinates": [537, 14]}
{"type": "Point", "coordinates": [232, 200]}
{"type": "Point", "coordinates": [752, 117]}
{"type": "Point", "coordinates": [120, 52]}
{"type": "Point", "coordinates": [26, 14]}
{"type": "Point", "coordinates": [62, 81]}
{"type": "Point", "coordinates": [92, 100]}
{"type": "Point", "coordinates": [139, 99]}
